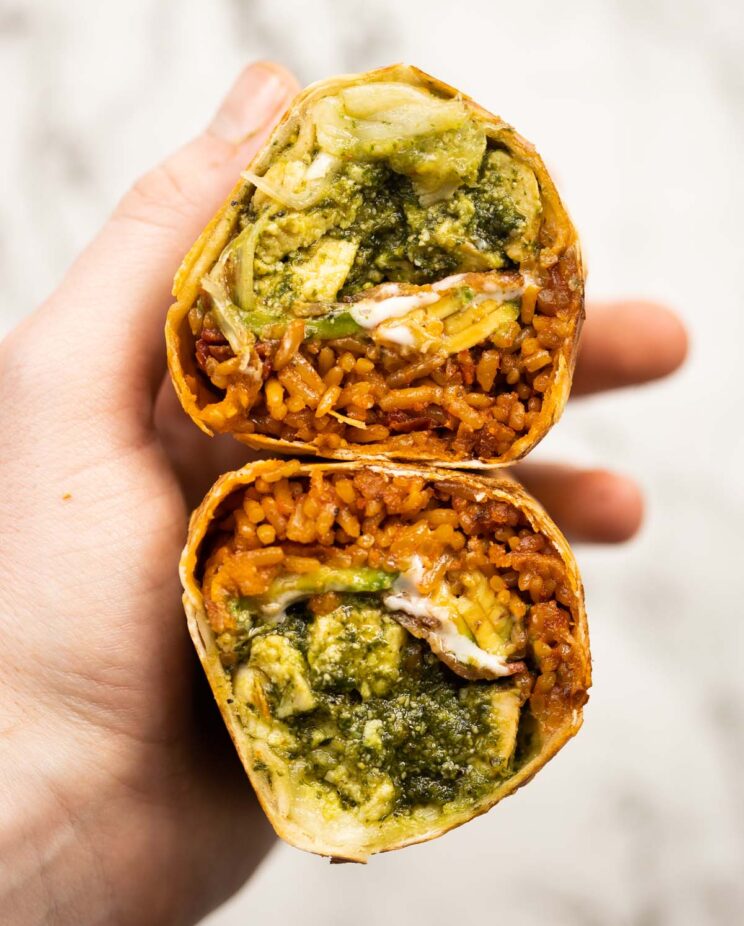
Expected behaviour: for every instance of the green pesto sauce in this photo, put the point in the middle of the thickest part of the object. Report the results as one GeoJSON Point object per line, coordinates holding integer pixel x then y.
{"type": "Point", "coordinates": [374, 719]}
{"type": "Point", "coordinates": [371, 228]}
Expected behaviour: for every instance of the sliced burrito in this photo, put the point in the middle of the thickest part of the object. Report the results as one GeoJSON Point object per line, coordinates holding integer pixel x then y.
{"type": "Point", "coordinates": [393, 649]}
{"type": "Point", "coordinates": [393, 277]}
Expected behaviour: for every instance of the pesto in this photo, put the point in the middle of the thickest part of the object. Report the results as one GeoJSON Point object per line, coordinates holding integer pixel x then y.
{"type": "Point", "coordinates": [423, 736]}
{"type": "Point", "coordinates": [373, 718]}
{"type": "Point", "coordinates": [371, 226]}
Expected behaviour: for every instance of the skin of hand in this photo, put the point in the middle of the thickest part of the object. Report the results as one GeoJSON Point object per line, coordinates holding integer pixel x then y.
{"type": "Point", "coordinates": [121, 798]}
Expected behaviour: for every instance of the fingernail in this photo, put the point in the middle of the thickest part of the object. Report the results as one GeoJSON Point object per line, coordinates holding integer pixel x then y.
{"type": "Point", "coordinates": [253, 101]}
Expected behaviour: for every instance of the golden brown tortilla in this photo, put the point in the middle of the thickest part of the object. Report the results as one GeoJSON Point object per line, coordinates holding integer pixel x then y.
{"type": "Point", "coordinates": [296, 816]}
{"type": "Point", "coordinates": [557, 266]}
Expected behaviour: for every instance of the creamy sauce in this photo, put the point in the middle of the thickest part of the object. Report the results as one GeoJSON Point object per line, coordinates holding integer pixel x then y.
{"type": "Point", "coordinates": [397, 334]}
{"type": "Point", "coordinates": [389, 303]}
{"type": "Point", "coordinates": [448, 282]}
{"type": "Point", "coordinates": [405, 595]}
{"type": "Point", "coordinates": [369, 313]}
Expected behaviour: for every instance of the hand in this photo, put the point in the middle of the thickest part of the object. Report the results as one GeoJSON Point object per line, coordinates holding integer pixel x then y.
{"type": "Point", "coordinates": [622, 344]}
{"type": "Point", "coordinates": [120, 803]}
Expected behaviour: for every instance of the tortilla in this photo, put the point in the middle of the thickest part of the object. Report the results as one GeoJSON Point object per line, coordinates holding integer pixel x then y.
{"type": "Point", "coordinates": [393, 648]}
{"type": "Point", "coordinates": [394, 277]}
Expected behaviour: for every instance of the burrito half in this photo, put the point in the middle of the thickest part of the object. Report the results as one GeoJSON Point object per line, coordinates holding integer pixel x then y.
{"type": "Point", "coordinates": [393, 649]}
{"type": "Point", "coordinates": [394, 276]}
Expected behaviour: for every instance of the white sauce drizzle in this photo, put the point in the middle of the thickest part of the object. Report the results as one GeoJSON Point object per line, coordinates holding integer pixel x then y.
{"type": "Point", "coordinates": [405, 596]}
{"type": "Point", "coordinates": [397, 334]}
{"type": "Point", "coordinates": [369, 313]}
{"type": "Point", "coordinates": [391, 303]}
{"type": "Point", "coordinates": [448, 282]}
{"type": "Point", "coordinates": [501, 293]}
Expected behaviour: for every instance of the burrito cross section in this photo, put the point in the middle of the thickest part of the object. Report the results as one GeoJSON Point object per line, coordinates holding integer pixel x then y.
{"type": "Point", "coordinates": [393, 649]}
{"type": "Point", "coordinates": [394, 276]}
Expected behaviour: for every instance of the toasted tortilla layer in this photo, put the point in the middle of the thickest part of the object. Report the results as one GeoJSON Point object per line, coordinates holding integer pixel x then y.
{"type": "Point", "coordinates": [393, 649]}
{"type": "Point", "coordinates": [394, 276]}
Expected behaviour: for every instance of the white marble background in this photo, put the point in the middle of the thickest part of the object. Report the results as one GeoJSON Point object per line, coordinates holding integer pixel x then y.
{"type": "Point", "coordinates": [637, 106]}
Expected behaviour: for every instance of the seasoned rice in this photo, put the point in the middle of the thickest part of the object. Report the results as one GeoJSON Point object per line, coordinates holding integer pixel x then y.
{"type": "Point", "coordinates": [287, 523]}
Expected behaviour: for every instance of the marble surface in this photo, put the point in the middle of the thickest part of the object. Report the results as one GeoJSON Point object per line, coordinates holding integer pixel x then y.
{"type": "Point", "coordinates": [637, 106]}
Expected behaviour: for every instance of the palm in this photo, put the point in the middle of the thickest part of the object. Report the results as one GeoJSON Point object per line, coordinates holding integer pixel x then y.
{"type": "Point", "coordinates": [110, 656]}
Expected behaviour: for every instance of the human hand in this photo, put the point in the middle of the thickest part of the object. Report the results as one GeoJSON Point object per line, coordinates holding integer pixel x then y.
{"type": "Point", "coordinates": [623, 343]}
{"type": "Point", "coordinates": [120, 803]}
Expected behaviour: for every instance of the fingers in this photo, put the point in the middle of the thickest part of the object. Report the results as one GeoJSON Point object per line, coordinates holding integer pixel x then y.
{"type": "Point", "coordinates": [622, 344]}
{"type": "Point", "coordinates": [591, 505]}
{"type": "Point", "coordinates": [116, 295]}
{"type": "Point", "coordinates": [627, 343]}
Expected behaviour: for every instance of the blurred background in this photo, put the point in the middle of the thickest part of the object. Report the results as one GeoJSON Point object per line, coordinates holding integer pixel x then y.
{"type": "Point", "coordinates": [638, 108]}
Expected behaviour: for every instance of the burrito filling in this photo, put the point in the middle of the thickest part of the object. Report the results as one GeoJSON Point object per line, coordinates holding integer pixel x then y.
{"type": "Point", "coordinates": [395, 647]}
{"type": "Point", "coordinates": [383, 285]}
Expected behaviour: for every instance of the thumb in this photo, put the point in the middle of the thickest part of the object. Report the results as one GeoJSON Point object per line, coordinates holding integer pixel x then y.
{"type": "Point", "coordinates": [106, 318]}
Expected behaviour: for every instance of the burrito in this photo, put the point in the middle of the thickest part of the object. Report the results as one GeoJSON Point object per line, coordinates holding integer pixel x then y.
{"type": "Point", "coordinates": [393, 649]}
{"type": "Point", "coordinates": [394, 277]}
